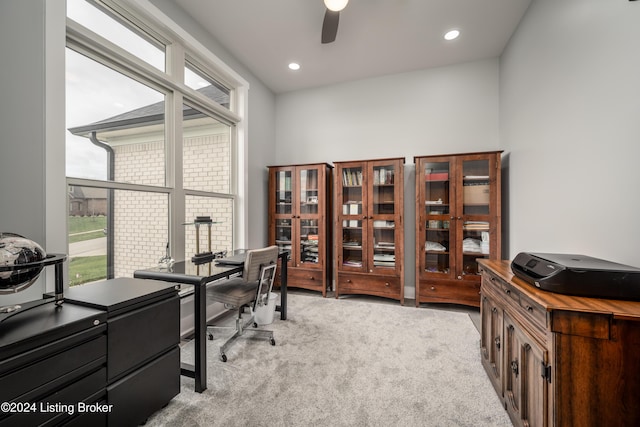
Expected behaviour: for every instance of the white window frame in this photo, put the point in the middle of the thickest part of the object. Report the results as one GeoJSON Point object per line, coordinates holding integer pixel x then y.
{"type": "Point", "coordinates": [180, 45]}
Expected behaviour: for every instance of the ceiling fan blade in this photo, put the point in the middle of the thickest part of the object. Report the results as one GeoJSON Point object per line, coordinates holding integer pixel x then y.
{"type": "Point", "coordinates": [330, 26]}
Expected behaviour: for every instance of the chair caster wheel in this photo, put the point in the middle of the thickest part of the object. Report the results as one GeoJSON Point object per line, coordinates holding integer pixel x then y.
{"type": "Point", "coordinates": [255, 325]}
{"type": "Point", "coordinates": [272, 341]}
{"type": "Point", "coordinates": [223, 357]}
{"type": "Point", "coordinates": [209, 336]}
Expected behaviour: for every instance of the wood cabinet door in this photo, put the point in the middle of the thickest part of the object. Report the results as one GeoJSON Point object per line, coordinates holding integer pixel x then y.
{"type": "Point", "coordinates": [476, 212]}
{"type": "Point", "coordinates": [525, 387]}
{"type": "Point", "coordinates": [309, 223]}
{"type": "Point", "coordinates": [351, 217]}
{"type": "Point", "coordinates": [435, 204]}
{"type": "Point", "coordinates": [491, 344]}
{"type": "Point", "coordinates": [385, 189]}
{"type": "Point", "coordinates": [282, 210]}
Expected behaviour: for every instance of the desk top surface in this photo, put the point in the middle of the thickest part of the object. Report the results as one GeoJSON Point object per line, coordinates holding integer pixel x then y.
{"type": "Point", "coordinates": [190, 273]}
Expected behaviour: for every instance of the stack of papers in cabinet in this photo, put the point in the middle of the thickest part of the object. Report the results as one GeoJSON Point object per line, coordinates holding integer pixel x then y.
{"type": "Point", "coordinates": [434, 246]}
{"type": "Point", "coordinates": [471, 245]}
{"type": "Point", "coordinates": [384, 260]}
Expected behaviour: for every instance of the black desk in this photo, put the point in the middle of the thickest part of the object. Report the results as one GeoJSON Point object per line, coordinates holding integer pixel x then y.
{"type": "Point", "coordinates": [199, 275]}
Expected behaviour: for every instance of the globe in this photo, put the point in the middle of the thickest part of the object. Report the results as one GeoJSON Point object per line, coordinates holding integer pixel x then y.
{"type": "Point", "coordinates": [14, 251]}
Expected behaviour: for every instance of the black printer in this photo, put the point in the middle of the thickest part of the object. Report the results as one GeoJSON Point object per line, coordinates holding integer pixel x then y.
{"type": "Point", "coordinates": [578, 275]}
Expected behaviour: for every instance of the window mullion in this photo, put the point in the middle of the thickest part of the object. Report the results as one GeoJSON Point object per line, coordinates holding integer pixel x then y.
{"type": "Point", "coordinates": [174, 141]}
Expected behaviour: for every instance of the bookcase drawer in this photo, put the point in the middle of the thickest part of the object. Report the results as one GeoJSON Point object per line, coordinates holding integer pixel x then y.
{"type": "Point", "coordinates": [306, 279]}
{"type": "Point", "coordinates": [450, 291]}
{"type": "Point", "coordinates": [386, 286]}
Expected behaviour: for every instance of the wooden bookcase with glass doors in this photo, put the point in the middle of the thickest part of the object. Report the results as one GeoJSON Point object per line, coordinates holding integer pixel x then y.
{"type": "Point", "coordinates": [369, 228]}
{"type": "Point", "coordinates": [458, 221]}
{"type": "Point", "coordinates": [300, 209]}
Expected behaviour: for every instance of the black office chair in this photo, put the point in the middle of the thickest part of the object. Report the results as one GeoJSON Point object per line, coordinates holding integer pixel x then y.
{"type": "Point", "coordinates": [247, 291]}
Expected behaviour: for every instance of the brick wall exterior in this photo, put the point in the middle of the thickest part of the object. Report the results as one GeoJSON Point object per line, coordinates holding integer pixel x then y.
{"type": "Point", "coordinates": [141, 219]}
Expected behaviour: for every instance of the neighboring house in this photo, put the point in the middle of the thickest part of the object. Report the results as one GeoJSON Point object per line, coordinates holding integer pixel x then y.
{"type": "Point", "coordinates": [85, 201]}
{"type": "Point", "coordinates": [138, 224]}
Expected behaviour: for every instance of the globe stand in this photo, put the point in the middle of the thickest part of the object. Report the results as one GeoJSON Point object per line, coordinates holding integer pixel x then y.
{"type": "Point", "coordinates": [51, 259]}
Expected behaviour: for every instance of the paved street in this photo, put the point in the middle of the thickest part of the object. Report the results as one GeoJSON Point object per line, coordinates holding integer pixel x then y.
{"type": "Point", "coordinates": [89, 247]}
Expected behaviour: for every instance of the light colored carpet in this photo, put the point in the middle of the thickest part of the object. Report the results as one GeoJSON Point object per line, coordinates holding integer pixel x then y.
{"type": "Point", "coordinates": [345, 362]}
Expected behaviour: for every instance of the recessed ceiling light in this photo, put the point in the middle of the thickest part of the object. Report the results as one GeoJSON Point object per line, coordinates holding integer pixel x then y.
{"type": "Point", "coordinates": [294, 66]}
{"type": "Point", "coordinates": [451, 34]}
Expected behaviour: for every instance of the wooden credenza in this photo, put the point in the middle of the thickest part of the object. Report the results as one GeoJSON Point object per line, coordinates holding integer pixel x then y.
{"type": "Point", "coordinates": [559, 360]}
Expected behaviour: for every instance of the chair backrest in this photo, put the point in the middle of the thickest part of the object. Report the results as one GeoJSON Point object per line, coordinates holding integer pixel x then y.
{"type": "Point", "coordinates": [256, 258]}
{"type": "Point", "coordinates": [265, 283]}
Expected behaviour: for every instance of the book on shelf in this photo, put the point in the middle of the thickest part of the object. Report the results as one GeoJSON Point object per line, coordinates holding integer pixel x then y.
{"type": "Point", "coordinates": [437, 176]}
{"type": "Point", "coordinates": [352, 177]}
{"type": "Point", "coordinates": [476, 226]}
{"type": "Point", "coordinates": [383, 176]}
{"type": "Point", "coordinates": [385, 245]}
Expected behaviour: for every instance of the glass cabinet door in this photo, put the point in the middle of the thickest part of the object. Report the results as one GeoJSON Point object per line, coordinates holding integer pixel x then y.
{"type": "Point", "coordinates": [382, 218]}
{"type": "Point", "coordinates": [283, 233]}
{"type": "Point", "coordinates": [476, 178]}
{"type": "Point", "coordinates": [283, 209]}
{"type": "Point", "coordinates": [308, 216]}
{"type": "Point", "coordinates": [283, 192]}
{"type": "Point", "coordinates": [308, 203]}
{"type": "Point", "coordinates": [353, 218]}
{"type": "Point", "coordinates": [437, 209]}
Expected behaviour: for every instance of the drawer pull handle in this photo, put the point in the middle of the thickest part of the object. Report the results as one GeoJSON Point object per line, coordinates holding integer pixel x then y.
{"type": "Point", "coordinates": [433, 288]}
{"type": "Point", "coordinates": [311, 278]}
{"type": "Point", "coordinates": [507, 291]}
{"type": "Point", "coordinates": [387, 284]}
{"type": "Point", "coordinates": [348, 280]}
{"type": "Point", "coordinates": [514, 367]}
{"type": "Point", "coordinates": [497, 341]}
{"type": "Point", "coordinates": [494, 310]}
{"type": "Point", "coordinates": [529, 309]}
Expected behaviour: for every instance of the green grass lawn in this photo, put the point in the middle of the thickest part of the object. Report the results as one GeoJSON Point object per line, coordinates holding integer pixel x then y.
{"type": "Point", "coordinates": [86, 227]}
{"type": "Point", "coordinates": [87, 269]}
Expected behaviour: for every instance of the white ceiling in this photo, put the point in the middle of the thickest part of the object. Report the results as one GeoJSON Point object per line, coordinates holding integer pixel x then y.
{"type": "Point", "coordinates": [375, 37]}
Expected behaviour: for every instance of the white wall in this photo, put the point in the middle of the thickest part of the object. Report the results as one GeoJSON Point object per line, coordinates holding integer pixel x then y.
{"type": "Point", "coordinates": [570, 120]}
{"type": "Point", "coordinates": [23, 119]}
{"type": "Point", "coordinates": [436, 111]}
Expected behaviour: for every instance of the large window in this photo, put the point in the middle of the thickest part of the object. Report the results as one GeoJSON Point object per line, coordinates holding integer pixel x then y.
{"type": "Point", "coordinates": [134, 182]}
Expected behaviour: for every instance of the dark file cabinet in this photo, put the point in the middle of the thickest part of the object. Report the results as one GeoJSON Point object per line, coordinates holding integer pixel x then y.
{"type": "Point", "coordinates": [143, 333]}
{"type": "Point", "coordinates": [53, 355]}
